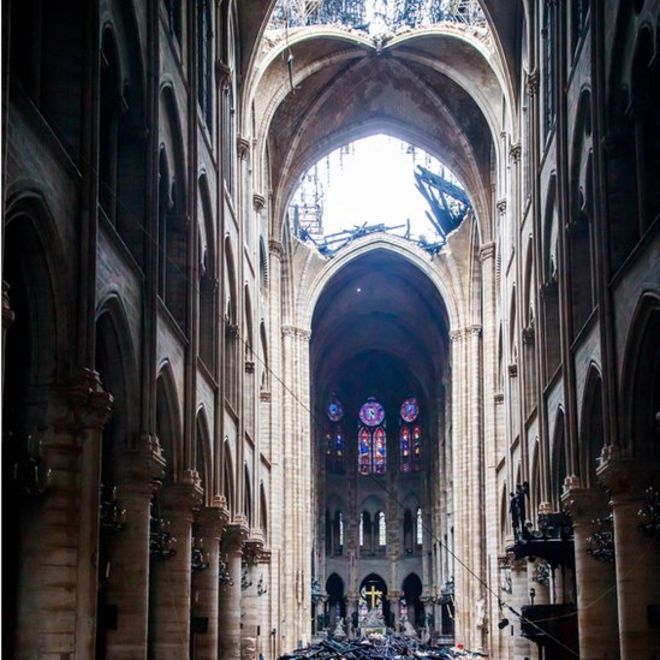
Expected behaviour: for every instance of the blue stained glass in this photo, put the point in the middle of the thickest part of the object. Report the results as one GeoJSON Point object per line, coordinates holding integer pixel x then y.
{"type": "Point", "coordinates": [409, 410]}
{"type": "Point", "coordinates": [335, 410]}
{"type": "Point", "coordinates": [372, 413]}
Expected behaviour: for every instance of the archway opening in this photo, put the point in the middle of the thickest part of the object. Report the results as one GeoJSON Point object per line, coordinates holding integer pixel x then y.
{"type": "Point", "coordinates": [381, 383]}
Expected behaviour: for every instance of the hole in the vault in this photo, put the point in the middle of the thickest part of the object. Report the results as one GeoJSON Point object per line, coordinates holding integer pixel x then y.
{"type": "Point", "coordinates": [377, 184]}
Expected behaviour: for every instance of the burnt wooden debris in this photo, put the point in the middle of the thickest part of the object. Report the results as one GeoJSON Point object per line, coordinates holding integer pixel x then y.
{"type": "Point", "coordinates": [449, 203]}
{"type": "Point", "coordinates": [382, 647]}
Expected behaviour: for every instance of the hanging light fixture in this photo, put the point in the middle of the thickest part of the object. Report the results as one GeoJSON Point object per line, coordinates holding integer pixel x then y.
{"type": "Point", "coordinates": [112, 516]}
{"type": "Point", "coordinates": [224, 576]}
{"type": "Point", "coordinates": [161, 541]}
{"type": "Point", "coordinates": [199, 558]}
{"type": "Point", "coordinates": [29, 473]}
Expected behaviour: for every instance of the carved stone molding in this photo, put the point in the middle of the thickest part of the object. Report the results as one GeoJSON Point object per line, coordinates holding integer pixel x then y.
{"type": "Point", "coordinates": [584, 504]}
{"type": "Point", "coordinates": [513, 370]}
{"type": "Point", "coordinates": [185, 496]}
{"type": "Point", "coordinates": [223, 75]}
{"type": "Point", "coordinates": [293, 331]}
{"type": "Point", "coordinates": [258, 202]}
{"type": "Point", "coordinates": [626, 477]}
{"type": "Point", "coordinates": [550, 290]}
{"type": "Point", "coordinates": [533, 82]}
{"type": "Point", "coordinates": [253, 547]}
{"type": "Point", "coordinates": [498, 397]}
{"type": "Point", "coordinates": [528, 335]}
{"type": "Point", "coordinates": [7, 312]}
{"type": "Point", "coordinates": [275, 248]}
{"type": "Point", "coordinates": [487, 251]}
{"type": "Point", "coordinates": [143, 467]}
{"type": "Point", "coordinates": [211, 521]}
{"type": "Point", "coordinates": [249, 366]}
{"type": "Point", "coordinates": [265, 397]}
{"type": "Point", "coordinates": [235, 534]}
{"type": "Point", "coordinates": [243, 147]}
{"type": "Point", "coordinates": [85, 404]}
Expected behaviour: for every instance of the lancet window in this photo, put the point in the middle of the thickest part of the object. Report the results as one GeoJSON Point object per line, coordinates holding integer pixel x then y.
{"type": "Point", "coordinates": [334, 438]}
{"type": "Point", "coordinates": [410, 437]}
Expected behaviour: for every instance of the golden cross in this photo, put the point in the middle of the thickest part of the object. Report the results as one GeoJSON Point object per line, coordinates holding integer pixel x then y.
{"type": "Point", "coordinates": [374, 593]}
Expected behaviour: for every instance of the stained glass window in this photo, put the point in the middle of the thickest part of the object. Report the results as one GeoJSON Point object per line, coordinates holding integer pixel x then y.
{"type": "Point", "coordinates": [333, 436]}
{"type": "Point", "coordinates": [372, 439]}
{"type": "Point", "coordinates": [410, 437]}
{"type": "Point", "coordinates": [420, 527]}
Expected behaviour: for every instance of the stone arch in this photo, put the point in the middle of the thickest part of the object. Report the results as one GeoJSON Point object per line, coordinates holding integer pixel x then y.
{"type": "Point", "coordinates": [122, 142]}
{"type": "Point", "coordinates": [207, 275]}
{"type": "Point", "coordinates": [640, 382]}
{"type": "Point", "coordinates": [550, 283]}
{"type": "Point", "coordinates": [263, 511]}
{"type": "Point", "coordinates": [116, 365]}
{"type": "Point", "coordinates": [204, 455]}
{"type": "Point", "coordinates": [34, 362]}
{"type": "Point", "coordinates": [579, 226]}
{"type": "Point", "coordinates": [248, 499]}
{"type": "Point", "coordinates": [228, 478]}
{"type": "Point", "coordinates": [592, 433]}
{"type": "Point", "coordinates": [32, 268]}
{"type": "Point", "coordinates": [230, 315]}
{"type": "Point", "coordinates": [450, 292]}
{"type": "Point", "coordinates": [168, 423]}
{"type": "Point", "coordinates": [558, 462]}
{"type": "Point", "coordinates": [172, 231]}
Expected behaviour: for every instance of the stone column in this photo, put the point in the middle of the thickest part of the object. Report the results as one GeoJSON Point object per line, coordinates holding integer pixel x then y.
{"type": "Point", "coordinates": [394, 607]}
{"type": "Point", "coordinates": [249, 606]}
{"type": "Point", "coordinates": [172, 576]}
{"type": "Point", "coordinates": [127, 585]}
{"type": "Point", "coordinates": [229, 612]}
{"type": "Point", "coordinates": [57, 576]}
{"type": "Point", "coordinates": [637, 556]}
{"type": "Point", "coordinates": [7, 319]}
{"type": "Point", "coordinates": [209, 523]}
{"type": "Point", "coordinates": [596, 580]}
{"type": "Point", "coordinates": [520, 597]}
{"type": "Point", "coordinates": [351, 609]}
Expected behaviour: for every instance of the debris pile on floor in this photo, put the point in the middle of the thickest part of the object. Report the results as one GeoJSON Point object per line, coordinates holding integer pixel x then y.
{"type": "Point", "coordinates": [380, 647]}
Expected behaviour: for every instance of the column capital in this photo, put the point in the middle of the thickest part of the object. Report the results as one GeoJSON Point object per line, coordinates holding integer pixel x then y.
{"type": "Point", "coordinates": [211, 521]}
{"type": "Point", "coordinates": [275, 248]}
{"type": "Point", "coordinates": [143, 467]}
{"type": "Point", "coordinates": [584, 504]}
{"type": "Point", "coordinates": [258, 202]}
{"type": "Point", "coordinates": [487, 251]}
{"type": "Point", "coordinates": [243, 147]}
{"type": "Point", "coordinates": [85, 404]}
{"type": "Point", "coordinates": [294, 331]}
{"type": "Point", "coordinates": [514, 152]}
{"type": "Point", "coordinates": [183, 496]}
{"type": "Point", "coordinates": [501, 206]}
{"type": "Point", "coordinates": [235, 534]}
{"type": "Point", "coordinates": [626, 477]}
{"type": "Point", "coordinates": [533, 82]}
{"type": "Point", "coordinates": [253, 546]}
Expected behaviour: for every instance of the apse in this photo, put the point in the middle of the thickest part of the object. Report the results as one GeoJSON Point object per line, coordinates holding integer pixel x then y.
{"type": "Point", "coordinates": [380, 382]}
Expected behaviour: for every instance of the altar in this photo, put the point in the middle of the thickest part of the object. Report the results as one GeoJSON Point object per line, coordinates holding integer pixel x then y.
{"type": "Point", "coordinates": [371, 619]}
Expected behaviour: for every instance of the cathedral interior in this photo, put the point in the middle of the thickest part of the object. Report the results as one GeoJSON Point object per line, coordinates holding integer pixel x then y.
{"type": "Point", "coordinates": [229, 431]}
